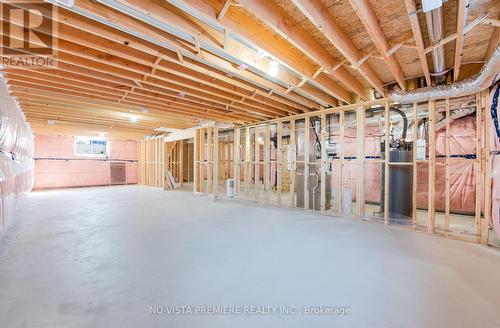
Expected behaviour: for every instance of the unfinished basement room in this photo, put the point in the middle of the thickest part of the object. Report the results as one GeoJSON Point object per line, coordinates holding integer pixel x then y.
{"type": "Point", "coordinates": [250, 163]}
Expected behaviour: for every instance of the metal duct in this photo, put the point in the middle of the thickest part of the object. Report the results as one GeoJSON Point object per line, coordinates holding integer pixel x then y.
{"type": "Point", "coordinates": [488, 76]}
{"type": "Point", "coordinates": [435, 29]}
{"type": "Point", "coordinates": [422, 128]}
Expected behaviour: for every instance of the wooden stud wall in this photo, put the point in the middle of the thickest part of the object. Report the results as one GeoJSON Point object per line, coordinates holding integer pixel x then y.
{"type": "Point", "coordinates": [251, 154]}
{"type": "Point", "coordinates": [158, 157]}
{"type": "Point", "coordinates": [487, 167]}
{"type": "Point", "coordinates": [151, 162]}
{"type": "Point", "coordinates": [213, 162]}
{"type": "Point", "coordinates": [179, 160]}
{"type": "Point", "coordinates": [432, 168]}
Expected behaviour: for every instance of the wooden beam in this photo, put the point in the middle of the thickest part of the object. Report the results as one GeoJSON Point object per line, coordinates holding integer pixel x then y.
{"type": "Point", "coordinates": [134, 72]}
{"type": "Point", "coordinates": [492, 44]}
{"type": "Point", "coordinates": [237, 161]}
{"type": "Point", "coordinates": [224, 9]}
{"type": "Point", "coordinates": [162, 88]}
{"type": "Point", "coordinates": [279, 160]}
{"type": "Point", "coordinates": [415, 166]}
{"type": "Point", "coordinates": [360, 159]}
{"type": "Point", "coordinates": [387, 118]}
{"type": "Point", "coordinates": [431, 201]}
{"type": "Point", "coordinates": [277, 19]}
{"type": "Point", "coordinates": [315, 11]}
{"type": "Point", "coordinates": [40, 126]}
{"type": "Point", "coordinates": [461, 18]}
{"type": "Point", "coordinates": [367, 16]}
{"type": "Point", "coordinates": [86, 94]}
{"type": "Point", "coordinates": [323, 137]}
{"type": "Point", "coordinates": [196, 163]}
{"type": "Point", "coordinates": [397, 46]}
{"type": "Point", "coordinates": [454, 36]}
{"type": "Point", "coordinates": [215, 163]}
{"type": "Point", "coordinates": [150, 12]}
{"type": "Point", "coordinates": [248, 154]}
{"type": "Point", "coordinates": [137, 38]}
{"type": "Point", "coordinates": [293, 165]}
{"type": "Point", "coordinates": [447, 169]}
{"type": "Point", "coordinates": [203, 161]}
{"type": "Point", "coordinates": [342, 156]}
{"type": "Point", "coordinates": [417, 34]}
{"type": "Point", "coordinates": [254, 33]}
{"type": "Point", "coordinates": [267, 164]}
{"type": "Point", "coordinates": [210, 163]}
{"type": "Point", "coordinates": [181, 162]}
{"type": "Point", "coordinates": [479, 164]}
{"type": "Point", "coordinates": [256, 177]}
{"type": "Point", "coordinates": [485, 226]}
{"type": "Point", "coordinates": [168, 101]}
{"type": "Point", "coordinates": [490, 21]}
{"type": "Point", "coordinates": [307, 168]}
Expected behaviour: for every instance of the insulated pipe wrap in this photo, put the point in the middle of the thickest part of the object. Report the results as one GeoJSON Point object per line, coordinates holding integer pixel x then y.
{"type": "Point", "coordinates": [487, 77]}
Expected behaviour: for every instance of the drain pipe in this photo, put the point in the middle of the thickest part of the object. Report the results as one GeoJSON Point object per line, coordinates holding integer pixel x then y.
{"type": "Point", "coordinates": [488, 76]}
{"type": "Point", "coordinates": [435, 30]}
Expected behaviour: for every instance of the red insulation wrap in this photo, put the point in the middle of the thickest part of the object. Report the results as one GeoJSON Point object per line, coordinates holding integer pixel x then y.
{"type": "Point", "coordinates": [16, 157]}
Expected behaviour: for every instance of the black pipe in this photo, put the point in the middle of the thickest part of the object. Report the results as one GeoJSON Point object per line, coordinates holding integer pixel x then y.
{"type": "Point", "coordinates": [405, 120]}
{"type": "Point", "coordinates": [400, 112]}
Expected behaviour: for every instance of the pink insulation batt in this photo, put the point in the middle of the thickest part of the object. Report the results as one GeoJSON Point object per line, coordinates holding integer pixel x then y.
{"type": "Point", "coordinates": [57, 166]}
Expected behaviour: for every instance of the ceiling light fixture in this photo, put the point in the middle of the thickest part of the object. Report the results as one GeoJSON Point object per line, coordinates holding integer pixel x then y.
{"type": "Point", "coordinates": [274, 67]}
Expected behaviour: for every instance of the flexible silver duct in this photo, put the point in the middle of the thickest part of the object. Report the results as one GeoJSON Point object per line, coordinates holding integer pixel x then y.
{"type": "Point", "coordinates": [488, 75]}
{"type": "Point", "coordinates": [435, 29]}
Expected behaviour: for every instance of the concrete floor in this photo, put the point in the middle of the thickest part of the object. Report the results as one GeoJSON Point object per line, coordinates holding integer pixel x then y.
{"type": "Point", "coordinates": [100, 257]}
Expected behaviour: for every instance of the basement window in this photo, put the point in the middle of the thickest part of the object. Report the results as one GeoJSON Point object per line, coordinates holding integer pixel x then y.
{"type": "Point", "coordinates": [91, 147]}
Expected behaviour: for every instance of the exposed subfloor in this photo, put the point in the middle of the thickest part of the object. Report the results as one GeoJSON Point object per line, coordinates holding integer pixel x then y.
{"type": "Point", "coordinates": [101, 257]}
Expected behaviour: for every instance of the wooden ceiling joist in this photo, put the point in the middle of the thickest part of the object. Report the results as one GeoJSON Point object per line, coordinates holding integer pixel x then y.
{"type": "Point", "coordinates": [207, 14]}
{"type": "Point", "coordinates": [64, 109]}
{"type": "Point", "coordinates": [40, 126]}
{"type": "Point", "coordinates": [224, 9]}
{"type": "Point", "coordinates": [492, 44]}
{"type": "Point", "coordinates": [417, 35]}
{"type": "Point", "coordinates": [149, 101]}
{"type": "Point", "coordinates": [43, 99]}
{"type": "Point", "coordinates": [119, 40]}
{"type": "Point", "coordinates": [453, 37]}
{"type": "Point", "coordinates": [200, 92]}
{"type": "Point", "coordinates": [459, 44]}
{"type": "Point", "coordinates": [133, 71]}
{"type": "Point", "coordinates": [274, 17]}
{"type": "Point", "coordinates": [95, 96]}
{"type": "Point", "coordinates": [315, 11]}
{"type": "Point", "coordinates": [130, 66]}
{"type": "Point", "coordinates": [141, 15]}
{"type": "Point", "coordinates": [367, 16]}
{"type": "Point", "coordinates": [186, 103]}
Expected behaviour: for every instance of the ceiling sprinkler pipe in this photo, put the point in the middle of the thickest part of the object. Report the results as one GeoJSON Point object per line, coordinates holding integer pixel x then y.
{"type": "Point", "coordinates": [483, 80]}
